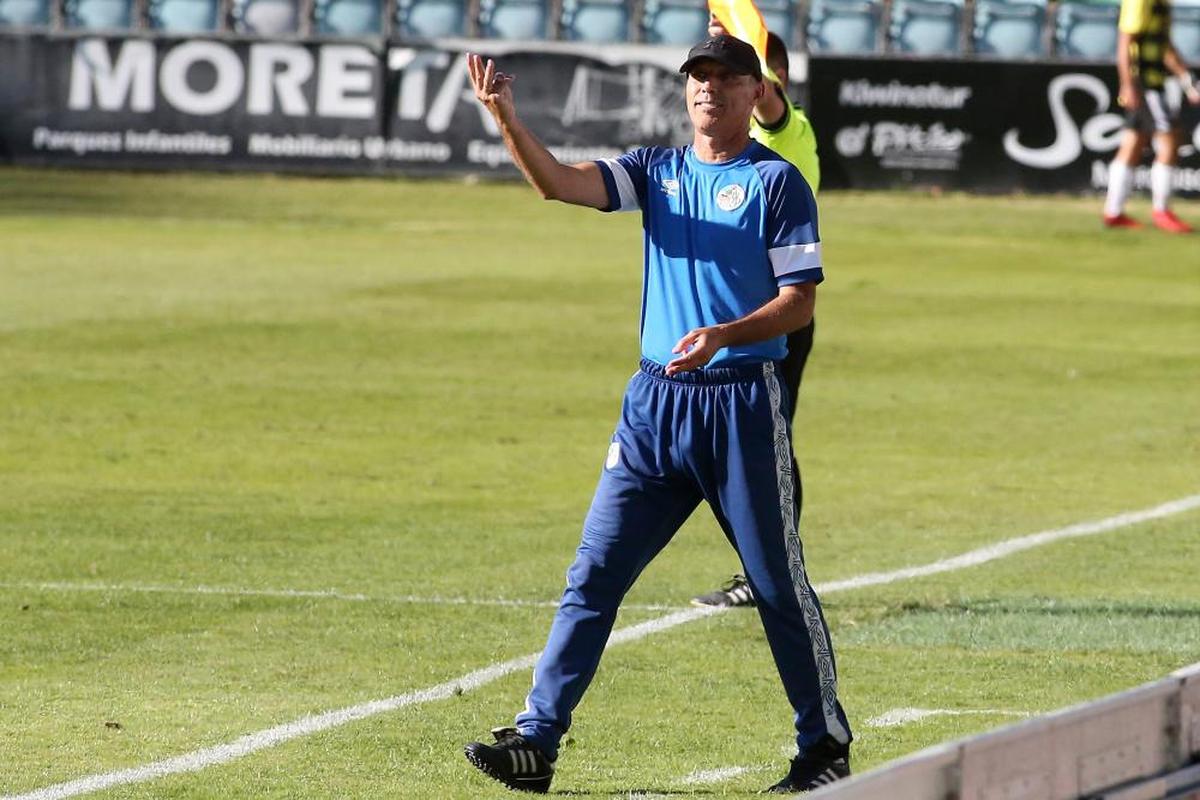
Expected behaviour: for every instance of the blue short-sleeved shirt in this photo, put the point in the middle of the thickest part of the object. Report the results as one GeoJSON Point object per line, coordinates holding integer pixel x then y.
{"type": "Point", "coordinates": [720, 239]}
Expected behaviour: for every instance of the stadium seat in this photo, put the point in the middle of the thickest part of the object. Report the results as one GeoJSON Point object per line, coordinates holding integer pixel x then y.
{"type": "Point", "coordinates": [1087, 30]}
{"type": "Point", "coordinates": [844, 26]}
{"type": "Point", "coordinates": [266, 17]}
{"type": "Point", "coordinates": [99, 14]}
{"type": "Point", "coordinates": [681, 22]}
{"type": "Point", "coordinates": [24, 13]}
{"type": "Point", "coordinates": [1010, 28]}
{"type": "Point", "coordinates": [926, 27]}
{"type": "Point", "coordinates": [780, 19]}
{"type": "Point", "coordinates": [432, 19]}
{"type": "Point", "coordinates": [595, 20]}
{"type": "Point", "coordinates": [348, 17]}
{"type": "Point", "coordinates": [513, 19]}
{"type": "Point", "coordinates": [183, 16]}
{"type": "Point", "coordinates": [1185, 30]}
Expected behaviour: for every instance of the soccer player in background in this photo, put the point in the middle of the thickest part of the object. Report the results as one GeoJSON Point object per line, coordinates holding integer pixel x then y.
{"type": "Point", "coordinates": [782, 126]}
{"type": "Point", "coordinates": [1144, 57]}
{"type": "Point", "coordinates": [731, 262]}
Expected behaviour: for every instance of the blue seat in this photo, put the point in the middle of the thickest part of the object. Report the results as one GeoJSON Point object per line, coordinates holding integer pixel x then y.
{"type": "Point", "coordinates": [99, 14]}
{"type": "Point", "coordinates": [1010, 28]}
{"type": "Point", "coordinates": [1185, 31]}
{"type": "Point", "coordinates": [926, 27]}
{"type": "Point", "coordinates": [24, 13]}
{"type": "Point", "coordinates": [184, 16]}
{"type": "Point", "coordinates": [844, 26]}
{"type": "Point", "coordinates": [1087, 30]}
{"type": "Point", "coordinates": [348, 17]}
{"type": "Point", "coordinates": [266, 17]}
{"type": "Point", "coordinates": [513, 19]}
{"type": "Point", "coordinates": [432, 19]}
{"type": "Point", "coordinates": [682, 22]}
{"type": "Point", "coordinates": [595, 20]}
{"type": "Point", "coordinates": [780, 19]}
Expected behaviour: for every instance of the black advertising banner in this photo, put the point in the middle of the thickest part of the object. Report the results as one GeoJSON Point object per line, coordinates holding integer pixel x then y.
{"type": "Point", "coordinates": [396, 107]}
{"type": "Point", "coordinates": [318, 106]}
{"type": "Point", "coordinates": [976, 125]}
{"type": "Point", "coordinates": [583, 103]}
{"type": "Point", "coordinates": [146, 102]}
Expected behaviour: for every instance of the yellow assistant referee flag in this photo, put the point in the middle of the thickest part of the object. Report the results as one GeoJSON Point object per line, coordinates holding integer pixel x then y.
{"type": "Point", "coordinates": [742, 19]}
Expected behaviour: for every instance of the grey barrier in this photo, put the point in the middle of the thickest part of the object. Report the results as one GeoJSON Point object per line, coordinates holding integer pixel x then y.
{"type": "Point", "coordinates": [1141, 744]}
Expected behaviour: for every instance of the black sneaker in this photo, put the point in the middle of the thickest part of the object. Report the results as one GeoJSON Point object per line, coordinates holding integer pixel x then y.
{"type": "Point", "coordinates": [513, 761]}
{"type": "Point", "coordinates": [823, 764]}
{"type": "Point", "coordinates": [735, 593]}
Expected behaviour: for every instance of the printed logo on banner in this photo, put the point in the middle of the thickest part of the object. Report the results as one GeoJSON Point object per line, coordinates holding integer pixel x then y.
{"type": "Point", "coordinates": [272, 72]}
{"type": "Point", "coordinates": [1100, 133]}
{"type": "Point", "coordinates": [864, 94]}
{"type": "Point", "coordinates": [900, 145]}
{"type": "Point", "coordinates": [852, 142]}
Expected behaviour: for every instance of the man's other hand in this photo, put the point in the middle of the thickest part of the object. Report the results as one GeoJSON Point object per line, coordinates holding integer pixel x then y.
{"type": "Point", "coordinates": [697, 347]}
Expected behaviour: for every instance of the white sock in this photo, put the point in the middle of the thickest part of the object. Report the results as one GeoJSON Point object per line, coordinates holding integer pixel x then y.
{"type": "Point", "coordinates": [1160, 185]}
{"type": "Point", "coordinates": [1120, 182]}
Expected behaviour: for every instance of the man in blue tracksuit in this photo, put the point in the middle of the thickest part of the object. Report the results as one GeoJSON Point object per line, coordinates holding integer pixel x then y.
{"type": "Point", "coordinates": [732, 261]}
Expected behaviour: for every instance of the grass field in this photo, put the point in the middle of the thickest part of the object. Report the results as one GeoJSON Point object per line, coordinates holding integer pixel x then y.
{"type": "Point", "coordinates": [274, 447]}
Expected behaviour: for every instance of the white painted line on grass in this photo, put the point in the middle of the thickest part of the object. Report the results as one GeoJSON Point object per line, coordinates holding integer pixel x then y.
{"type": "Point", "coordinates": [715, 775]}
{"type": "Point", "coordinates": [211, 756]}
{"type": "Point", "coordinates": [221, 754]}
{"type": "Point", "coordinates": [903, 716]}
{"type": "Point", "coordinates": [330, 594]}
{"type": "Point", "coordinates": [1010, 546]}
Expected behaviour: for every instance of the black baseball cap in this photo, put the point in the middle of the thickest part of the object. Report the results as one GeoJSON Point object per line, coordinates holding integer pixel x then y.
{"type": "Point", "coordinates": [732, 52]}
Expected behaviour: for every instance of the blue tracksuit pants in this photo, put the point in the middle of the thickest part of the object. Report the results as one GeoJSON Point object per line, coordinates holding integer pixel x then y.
{"type": "Point", "coordinates": [721, 435]}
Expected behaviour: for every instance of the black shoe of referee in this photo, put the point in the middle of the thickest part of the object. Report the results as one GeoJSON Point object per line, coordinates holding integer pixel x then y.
{"type": "Point", "coordinates": [513, 761]}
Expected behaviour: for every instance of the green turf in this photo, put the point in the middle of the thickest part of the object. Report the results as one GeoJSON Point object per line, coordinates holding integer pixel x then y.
{"type": "Point", "coordinates": [404, 390]}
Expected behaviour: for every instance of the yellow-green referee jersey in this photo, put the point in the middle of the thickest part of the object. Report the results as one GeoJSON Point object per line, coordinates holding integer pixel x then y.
{"type": "Point", "coordinates": [794, 139]}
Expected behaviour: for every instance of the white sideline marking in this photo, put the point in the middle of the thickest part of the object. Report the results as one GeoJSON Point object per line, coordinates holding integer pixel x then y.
{"type": "Point", "coordinates": [252, 742]}
{"type": "Point", "coordinates": [1010, 546]}
{"type": "Point", "coordinates": [903, 716]}
{"type": "Point", "coordinates": [331, 594]}
{"type": "Point", "coordinates": [200, 759]}
{"type": "Point", "coordinates": [715, 775]}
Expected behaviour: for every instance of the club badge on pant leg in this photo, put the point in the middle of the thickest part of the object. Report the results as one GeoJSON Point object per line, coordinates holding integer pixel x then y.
{"type": "Point", "coordinates": [614, 455]}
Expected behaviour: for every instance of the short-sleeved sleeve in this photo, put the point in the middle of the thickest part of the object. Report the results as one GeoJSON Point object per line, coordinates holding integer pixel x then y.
{"type": "Point", "coordinates": [1135, 16]}
{"type": "Point", "coordinates": [625, 179]}
{"type": "Point", "coordinates": [794, 139]}
{"type": "Point", "coordinates": [793, 243]}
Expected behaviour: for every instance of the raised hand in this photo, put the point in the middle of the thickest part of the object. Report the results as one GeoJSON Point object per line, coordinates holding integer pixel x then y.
{"type": "Point", "coordinates": [492, 87]}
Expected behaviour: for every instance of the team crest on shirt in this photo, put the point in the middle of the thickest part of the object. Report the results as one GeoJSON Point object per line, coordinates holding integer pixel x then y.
{"type": "Point", "coordinates": [731, 197]}
{"type": "Point", "coordinates": [670, 187]}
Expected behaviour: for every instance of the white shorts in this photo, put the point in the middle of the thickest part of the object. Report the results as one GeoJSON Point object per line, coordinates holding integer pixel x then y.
{"type": "Point", "coordinates": [1153, 115]}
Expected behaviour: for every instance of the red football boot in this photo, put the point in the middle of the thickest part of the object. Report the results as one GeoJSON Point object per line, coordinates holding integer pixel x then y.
{"type": "Point", "coordinates": [1165, 220]}
{"type": "Point", "coordinates": [1121, 221]}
